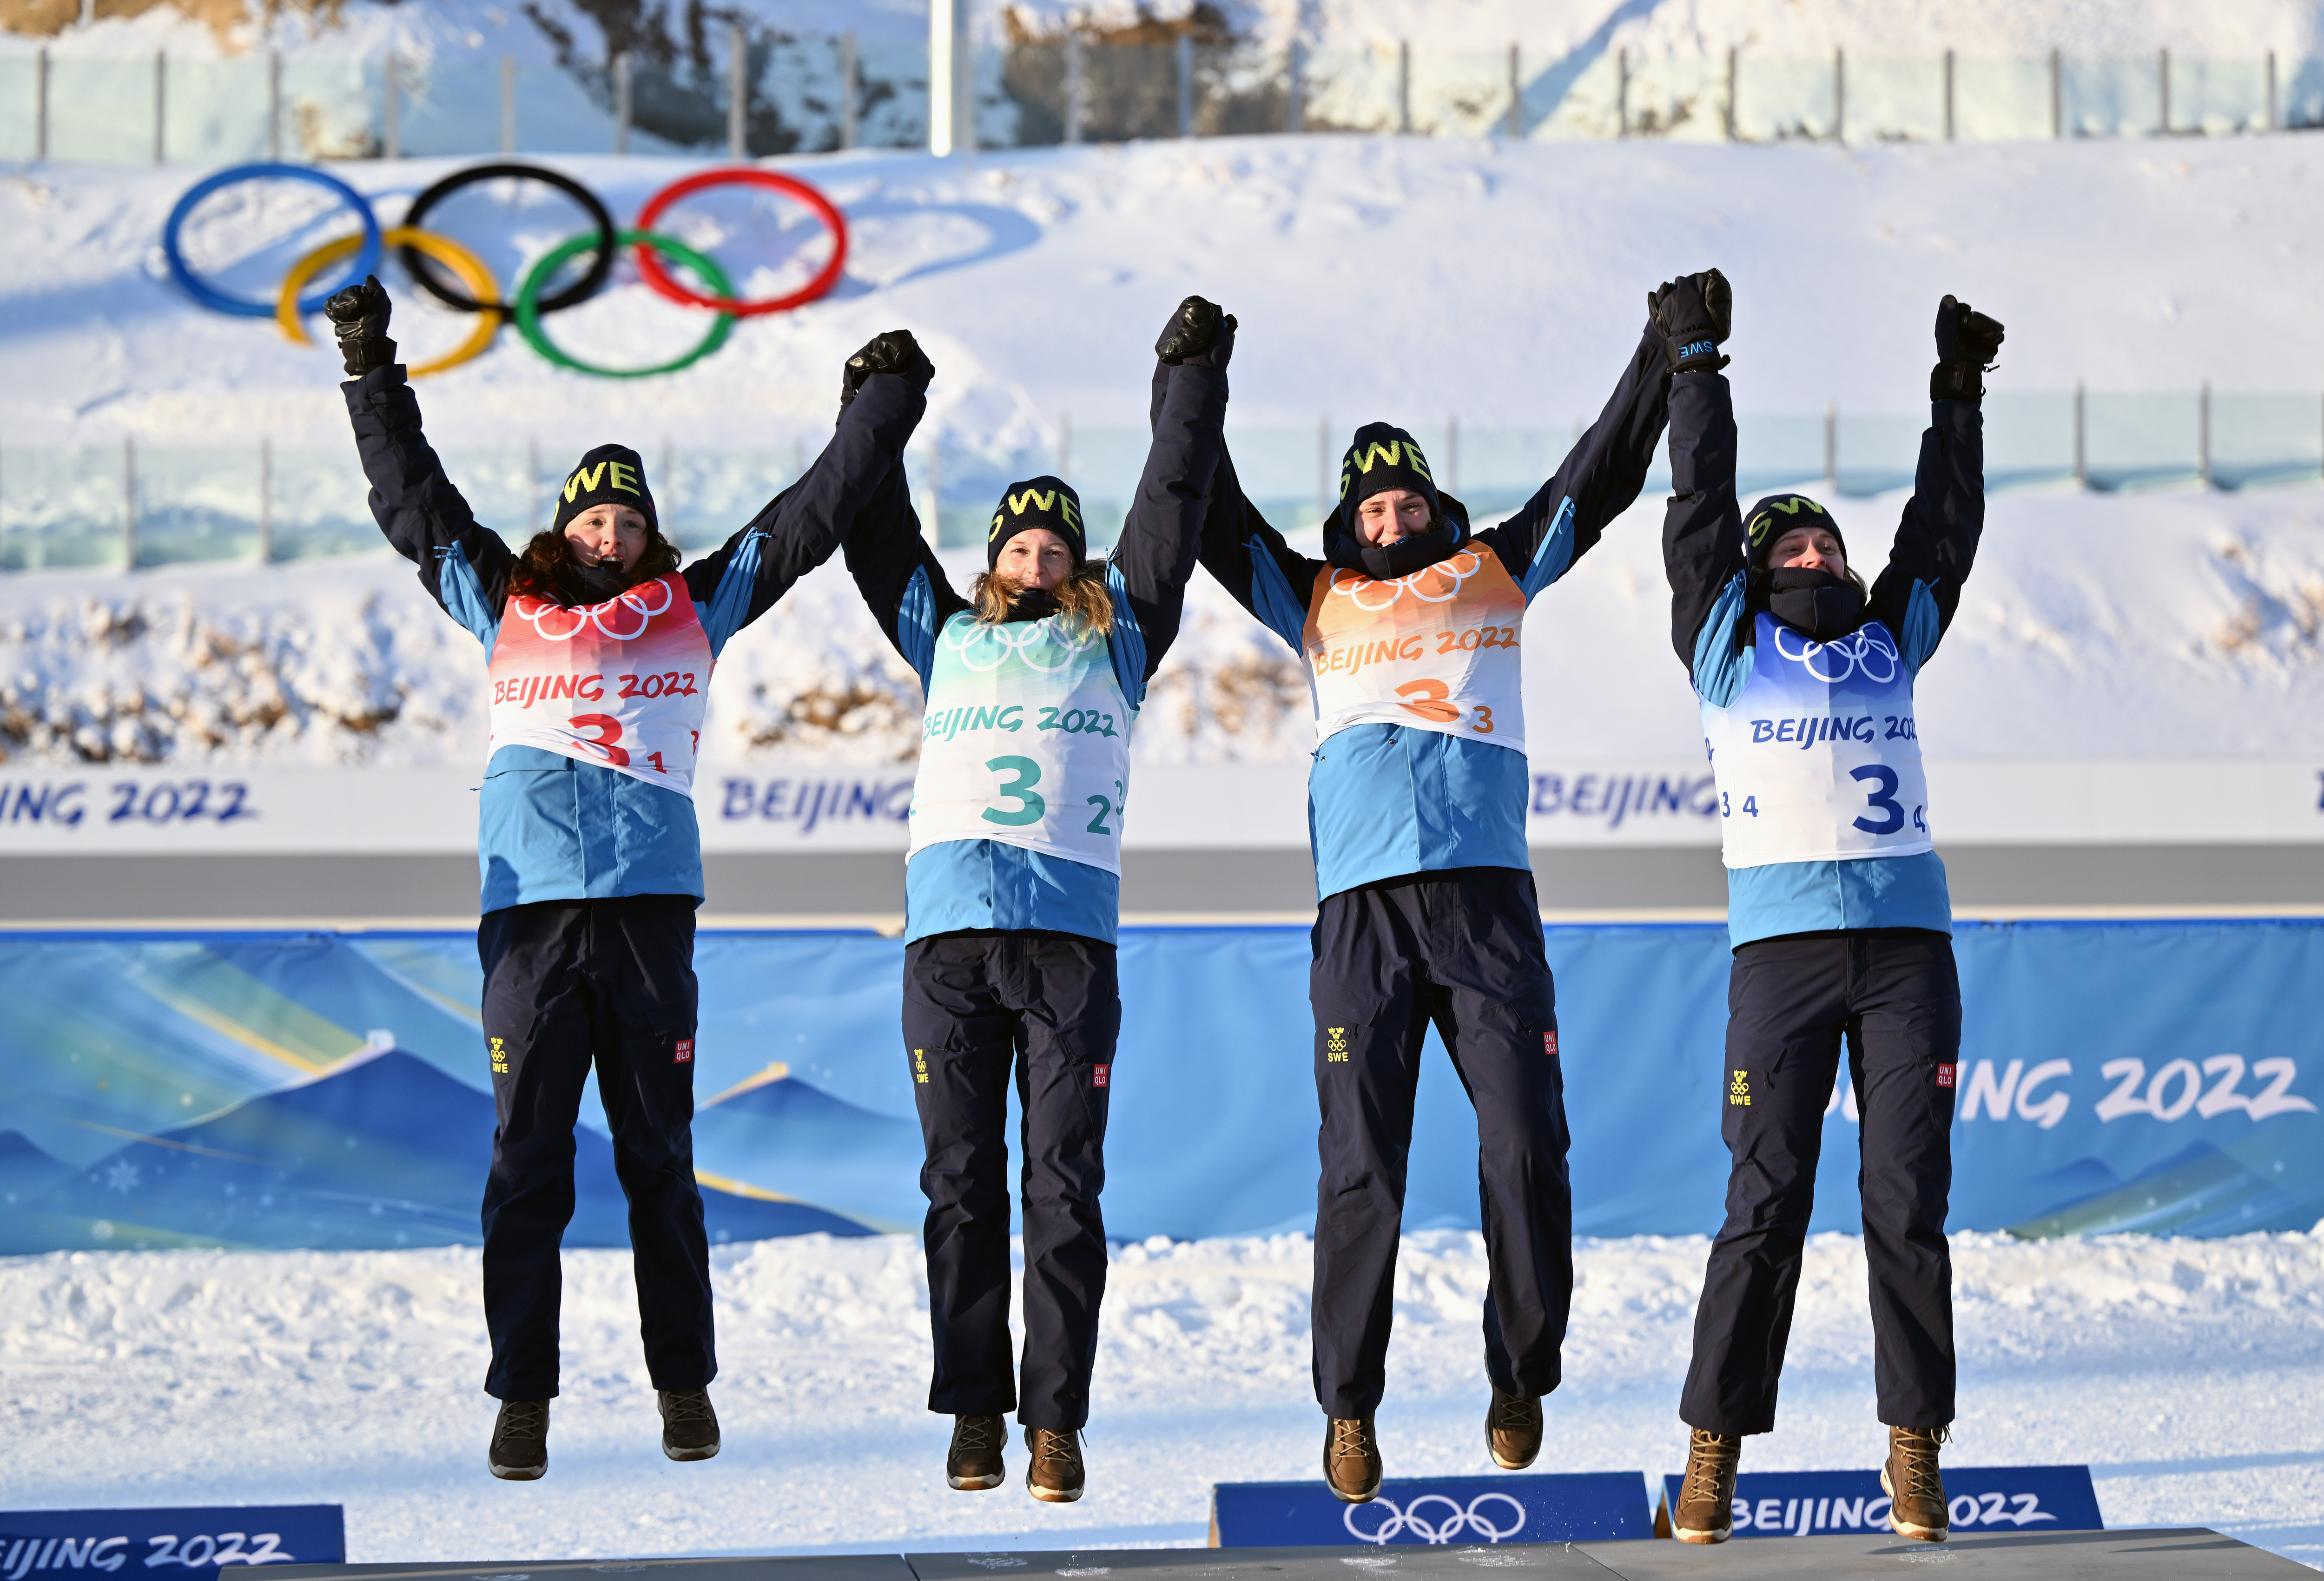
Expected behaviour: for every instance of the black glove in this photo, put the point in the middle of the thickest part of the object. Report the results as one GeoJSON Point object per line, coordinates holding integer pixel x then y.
{"type": "Point", "coordinates": [892, 351]}
{"type": "Point", "coordinates": [358, 317]}
{"type": "Point", "coordinates": [1198, 336]}
{"type": "Point", "coordinates": [1695, 313]}
{"type": "Point", "coordinates": [1967, 343]}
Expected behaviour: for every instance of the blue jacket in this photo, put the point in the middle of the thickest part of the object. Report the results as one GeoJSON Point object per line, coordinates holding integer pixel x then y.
{"type": "Point", "coordinates": [1384, 800]}
{"type": "Point", "coordinates": [1711, 627]}
{"type": "Point", "coordinates": [961, 885]}
{"type": "Point", "coordinates": [549, 827]}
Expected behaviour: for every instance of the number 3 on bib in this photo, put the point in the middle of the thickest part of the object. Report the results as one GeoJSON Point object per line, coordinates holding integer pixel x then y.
{"type": "Point", "coordinates": [1030, 807]}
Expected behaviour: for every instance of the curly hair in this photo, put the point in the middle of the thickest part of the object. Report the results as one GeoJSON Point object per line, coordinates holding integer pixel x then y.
{"type": "Point", "coordinates": [1081, 598]}
{"type": "Point", "coordinates": [545, 568]}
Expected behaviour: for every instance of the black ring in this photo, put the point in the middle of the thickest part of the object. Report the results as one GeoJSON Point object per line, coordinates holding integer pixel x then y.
{"type": "Point", "coordinates": [601, 266]}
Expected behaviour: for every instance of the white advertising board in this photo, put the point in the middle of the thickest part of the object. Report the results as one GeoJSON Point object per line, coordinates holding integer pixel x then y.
{"type": "Point", "coordinates": [1603, 802]}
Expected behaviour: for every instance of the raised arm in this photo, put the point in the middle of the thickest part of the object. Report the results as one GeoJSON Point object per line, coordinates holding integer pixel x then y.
{"type": "Point", "coordinates": [1599, 479]}
{"type": "Point", "coordinates": [1936, 541]}
{"type": "Point", "coordinates": [464, 566]}
{"type": "Point", "coordinates": [1702, 527]}
{"type": "Point", "coordinates": [1148, 568]}
{"type": "Point", "coordinates": [898, 574]}
{"type": "Point", "coordinates": [1251, 560]}
{"type": "Point", "coordinates": [883, 394]}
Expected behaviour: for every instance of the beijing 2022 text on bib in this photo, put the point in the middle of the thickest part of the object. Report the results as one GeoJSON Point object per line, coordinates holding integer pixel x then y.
{"type": "Point", "coordinates": [1435, 650]}
{"type": "Point", "coordinates": [621, 685]}
{"type": "Point", "coordinates": [1025, 741]}
{"type": "Point", "coordinates": [1819, 759]}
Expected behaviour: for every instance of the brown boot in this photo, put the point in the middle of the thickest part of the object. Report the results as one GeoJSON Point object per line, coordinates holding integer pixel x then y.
{"type": "Point", "coordinates": [519, 1446]}
{"type": "Point", "coordinates": [1513, 1429]}
{"type": "Point", "coordinates": [974, 1461]}
{"type": "Point", "coordinates": [1055, 1475]}
{"type": "Point", "coordinates": [1914, 1487]}
{"type": "Point", "coordinates": [1706, 1499]}
{"type": "Point", "coordinates": [1352, 1459]}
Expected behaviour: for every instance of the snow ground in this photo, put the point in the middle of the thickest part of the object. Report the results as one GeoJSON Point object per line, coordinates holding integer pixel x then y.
{"type": "Point", "coordinates": [2188, 1374]}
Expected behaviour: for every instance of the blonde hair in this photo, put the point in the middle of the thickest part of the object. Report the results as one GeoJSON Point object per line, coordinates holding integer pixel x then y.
{"type": "Point", "coordinates": [1081, 599]}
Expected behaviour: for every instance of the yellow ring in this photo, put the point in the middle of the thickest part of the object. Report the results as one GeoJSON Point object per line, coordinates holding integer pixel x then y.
{"type": "Point", "coordinates": [443, 249]}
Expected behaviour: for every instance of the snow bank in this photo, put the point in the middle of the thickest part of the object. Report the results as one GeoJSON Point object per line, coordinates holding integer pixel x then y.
{"type": "Point", "coordinates": [2180, 1370]}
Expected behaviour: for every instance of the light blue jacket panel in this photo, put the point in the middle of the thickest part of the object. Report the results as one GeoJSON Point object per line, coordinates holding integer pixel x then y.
{"type": "Point", "coordinates": [1807, 897]}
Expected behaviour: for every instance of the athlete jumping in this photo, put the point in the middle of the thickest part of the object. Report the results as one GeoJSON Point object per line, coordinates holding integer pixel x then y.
{"type": "Point", "coordinates": [601, 649]}
{"type": "Point", "coordinates": [1012, 897]}
{"type": "Point", "coordinates": [1410, 629]}
{"type": "Point", "coordinates": [1836, 907]}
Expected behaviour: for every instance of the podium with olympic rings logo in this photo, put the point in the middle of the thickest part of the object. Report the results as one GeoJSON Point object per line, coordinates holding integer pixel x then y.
{"type": "Point", "coordinates": [1591, 1506]}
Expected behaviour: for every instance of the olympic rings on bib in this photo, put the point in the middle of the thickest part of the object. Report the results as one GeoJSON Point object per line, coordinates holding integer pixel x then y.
{"type": "Point", "coordinates": [601, 267]}
{"type": "Point", "coordinates": [444, 249]}
{"type": "Point", "coordinates": [366, 254]}
{"type": "Point", "coordinates": [417, 246]}
{"type": "Point", "coordinates": [677, 191]}
{"type": "Point", "coordinates": [528, 309]}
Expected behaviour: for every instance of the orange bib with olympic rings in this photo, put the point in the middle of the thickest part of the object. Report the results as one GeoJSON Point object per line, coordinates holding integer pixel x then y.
{"type": "Point", "coordinates": [1436, 650]}
{"type": "Point", "coordinates": [621, 685]}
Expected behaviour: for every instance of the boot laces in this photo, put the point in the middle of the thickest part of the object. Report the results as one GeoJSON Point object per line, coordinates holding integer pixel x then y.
{"type": "Point", "coordinates": [1511, 1413]}
{"type": "Point", "coordinates": [1349, 1438]}
{"type": "Point", "coordinates": [973, 1432]}
{"type": "Point", "coordinates": [1050, 1445]}
{"type": "Point", "coordinates": [524, 1418]}
{"type": "Point", "coordinates": [687, 1405]}
{"type": "Point", "coordinates": [1916, 1450]}
{"type": "Point", "coordinates": [1710, 1456]}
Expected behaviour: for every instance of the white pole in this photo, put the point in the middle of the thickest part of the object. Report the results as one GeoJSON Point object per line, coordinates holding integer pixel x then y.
{"type": "Point", "coordinates": [847, 90]}
{"type": "Point", "coordinates": [738, 92]}
{"type": "Point", "coordinates": [275, 105]}
{"type": "Point", "coordinates": [944, 79]}
{"type": "Point", "coordinates": [1073, 85]}
{"type": "Point", "coordinates": [41, 110]}
{"type": "Point", "coordinates": [265, 501]}
{"type": "Point", "coordinates": [623, 91]}
{"type": "Point", "coordinates": [161, 104]}
{"type": "Point", "coordinates": [393, 131]}
{"type": "Point", "coordinates": [508, 103]}
{"type": "Point", "coordinates": [128, 503]}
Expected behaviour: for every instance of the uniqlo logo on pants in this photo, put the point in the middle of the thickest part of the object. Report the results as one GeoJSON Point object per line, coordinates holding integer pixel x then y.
{"type": "Point", "coordinates": [1944, 1076]}
{"type": "Point", "coordinates": [1099, 1075]}
{"type": "Point", "coordinates": [685, 1052]}
{"type": "Point", "coordinates": [1549, 1043]}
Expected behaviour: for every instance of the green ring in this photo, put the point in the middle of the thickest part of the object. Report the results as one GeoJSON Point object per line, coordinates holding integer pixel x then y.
{"type": "Point", "coordinates": [527, 299]}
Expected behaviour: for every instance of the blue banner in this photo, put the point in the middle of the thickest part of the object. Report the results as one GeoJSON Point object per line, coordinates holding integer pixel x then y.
{"type": "Point", "coordinates": [35, 1545]}
{"type": "Point", "coordinates": [1982, 1498]}
{"type": "Point", "coordinates": [1598, 1506]}
{"type": "Point", "coordinates": [315, 1090]}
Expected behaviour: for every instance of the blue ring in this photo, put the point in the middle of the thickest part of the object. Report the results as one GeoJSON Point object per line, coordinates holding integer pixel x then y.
{"type": "Point", "coordinates": [365, 260]}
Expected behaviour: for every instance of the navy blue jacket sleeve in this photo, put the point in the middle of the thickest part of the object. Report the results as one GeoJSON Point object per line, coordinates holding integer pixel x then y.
{"type": "Point", "coordinates": [1936, 541]}
{"type": "Point", "coordinates": [463, 565]}
{"type": "Point", "coordinates": [800, 527]}
{"type": "Point", "coordinates": [1164, 530]}
{"type": "Point", "coordinates": [1598, 480]}
{"type": "Point", "coordinates": [898, 574]}
{"type": "Point", "coordinates": [1703, 526]}
{"type": "Point", "coordinates": [1251, 560]}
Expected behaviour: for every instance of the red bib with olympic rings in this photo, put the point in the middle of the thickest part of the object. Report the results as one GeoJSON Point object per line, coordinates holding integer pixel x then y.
{"type": "Point", "coordinates": [619, 684]}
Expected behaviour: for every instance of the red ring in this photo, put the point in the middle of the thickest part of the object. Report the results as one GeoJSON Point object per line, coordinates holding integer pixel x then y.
{"type": "Point", "coordinates": [657, 276]}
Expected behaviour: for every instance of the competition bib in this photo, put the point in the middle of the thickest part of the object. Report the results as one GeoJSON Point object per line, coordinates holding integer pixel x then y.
{"type": "Point", "coordinates": [619, 684]}
{"type": "Point", "coordinates": [1436, 650]}
{"type": "Point", "coordinates": [1817, 760]}
{"type": "Point", "coordinates": [1025, 741]}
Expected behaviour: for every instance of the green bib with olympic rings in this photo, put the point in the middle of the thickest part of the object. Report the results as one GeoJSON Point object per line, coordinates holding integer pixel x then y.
{"type": "Point", "coordinates": [1025, 741]}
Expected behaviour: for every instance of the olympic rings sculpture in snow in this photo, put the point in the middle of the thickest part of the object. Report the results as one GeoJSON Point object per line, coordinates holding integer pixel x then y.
{"type": "Point", "coordinates": [477, 292]}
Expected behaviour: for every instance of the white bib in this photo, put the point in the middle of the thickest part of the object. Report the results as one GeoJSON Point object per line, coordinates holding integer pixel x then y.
{"type": "Point", "coordinates": [1025, 741]}
{"type": "Point", "coordinates": [1436, 650]}
{"type": "Point", "coordinates": [621, 685]}
{"type": "Point", "coordinates": [1819, 759]}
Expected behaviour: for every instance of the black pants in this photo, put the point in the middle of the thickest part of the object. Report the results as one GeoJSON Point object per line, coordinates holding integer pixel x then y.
{"type": "Point", "coordinates": [1463, 950]}
{"type": "Point", "coordinates": [567, 983]}
{"type": "Point", "coordinates": [1895, 995]}
{"type": "Point", "coordinates": [1048, 1005]}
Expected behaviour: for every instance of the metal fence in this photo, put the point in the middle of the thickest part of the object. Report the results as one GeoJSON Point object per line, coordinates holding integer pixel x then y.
{"type": "Point", "coordinates": [136, 505]}
{"type": "Point", "coordinates": [780, 95]}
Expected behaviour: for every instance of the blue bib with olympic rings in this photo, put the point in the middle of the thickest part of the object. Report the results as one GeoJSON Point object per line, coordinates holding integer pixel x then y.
{"type": "Point", "coordinates": [1819, 759]}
